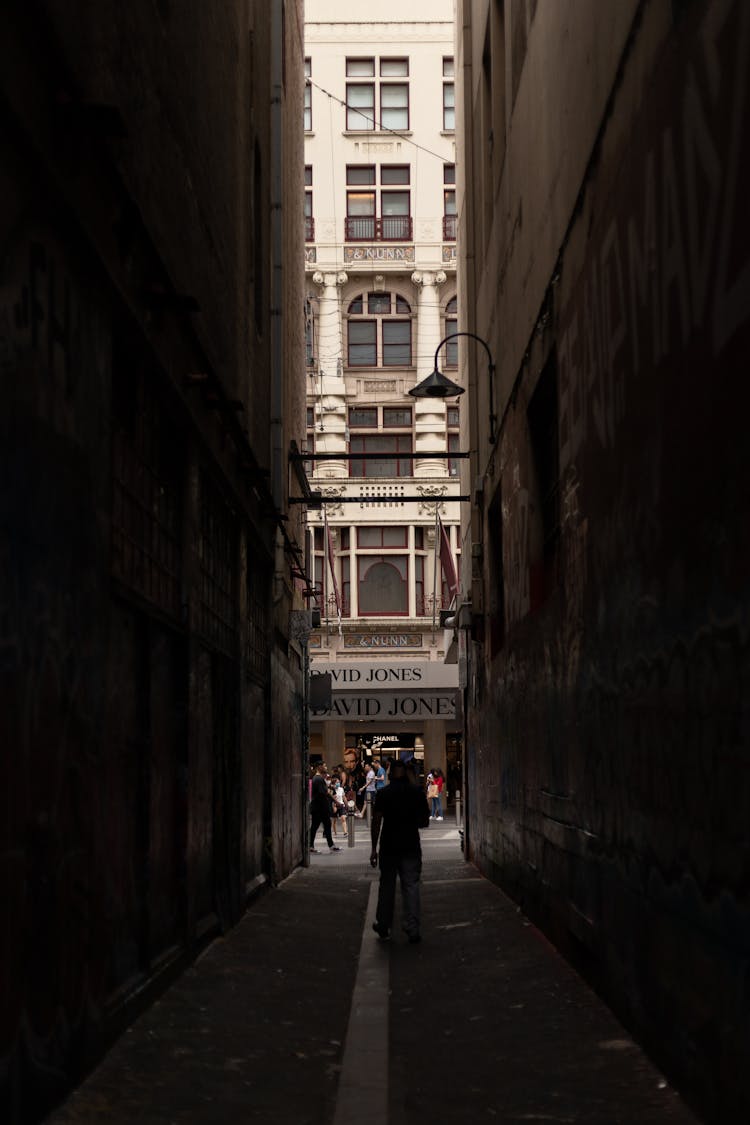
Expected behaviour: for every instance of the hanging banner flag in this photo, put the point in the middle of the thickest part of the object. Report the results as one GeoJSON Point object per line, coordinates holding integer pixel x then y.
{"type": "Point", "coordinates": [446, 559]}
{"type": "Point", "coordinates": [336, 594]}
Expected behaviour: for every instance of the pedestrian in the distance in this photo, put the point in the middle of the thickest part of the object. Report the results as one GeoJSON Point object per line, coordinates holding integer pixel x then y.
{"type": "Point", "coordinates": [433, 794]}
{"type": "Point", "coordinates": [400, 810]}
{"type": "Point", "coordinates": [320, 809]}
{"type": "Point", "coordinates": [440, 782]}
{"type": "Point", "coordinates": [368, 789]}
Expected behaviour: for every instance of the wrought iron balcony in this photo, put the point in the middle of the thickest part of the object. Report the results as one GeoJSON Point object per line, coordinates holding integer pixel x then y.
{"type": "Point", "coordinates": [367, 228]}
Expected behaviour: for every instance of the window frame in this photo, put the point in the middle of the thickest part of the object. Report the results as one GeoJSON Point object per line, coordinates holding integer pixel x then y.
{"type": "Point", "coordinates": [364, 182]}
{"type": "Point", "coordinates": [370, 560]}
{"type": "Point", "coordinates": [356, 112]}
{"type": "Point", "coordinates": [309, 219]}
{"type": "Point", "coordinates": [380, 75]}
{"type": "Point", "coordinates": [450, 325]}
{"type": "Point", "coordinates": [385, 89]}
{"type": "Point", "coordinates": [400, 313]}
{"type": "Point", "coordinates": [365, 469]}
{"type": "Point", "coordinates": [307, 109]}
{"type": "Point", "coordinates": [449, 95]}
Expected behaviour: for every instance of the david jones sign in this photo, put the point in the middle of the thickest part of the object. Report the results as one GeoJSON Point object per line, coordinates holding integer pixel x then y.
{"type": "Point", "coordinates": [422, 690]}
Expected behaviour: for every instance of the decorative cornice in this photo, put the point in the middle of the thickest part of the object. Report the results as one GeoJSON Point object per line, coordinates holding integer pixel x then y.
{"type": "Point", "coordinates": [433, 496]}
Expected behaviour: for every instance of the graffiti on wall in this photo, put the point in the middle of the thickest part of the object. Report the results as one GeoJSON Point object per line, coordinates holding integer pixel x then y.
{"type": "Point", "coordinates": [669, 264]}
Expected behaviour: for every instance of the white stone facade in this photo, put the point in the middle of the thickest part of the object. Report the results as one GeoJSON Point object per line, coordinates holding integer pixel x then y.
{"type": "Point", "coordinates": [381, 295]}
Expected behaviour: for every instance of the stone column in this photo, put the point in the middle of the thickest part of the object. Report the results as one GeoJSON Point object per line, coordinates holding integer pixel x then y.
{"type": "Point", "coordinates": [430, 413]}
{"type": "Point", "coordinates": [328, 394]}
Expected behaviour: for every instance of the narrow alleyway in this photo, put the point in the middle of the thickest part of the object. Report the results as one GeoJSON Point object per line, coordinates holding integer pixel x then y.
{"type": "Point", "coordinates": [300, 1016]}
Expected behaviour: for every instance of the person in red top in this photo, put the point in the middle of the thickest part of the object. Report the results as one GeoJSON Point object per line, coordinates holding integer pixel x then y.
{"type": "Point", "coordinates": [435, 784]}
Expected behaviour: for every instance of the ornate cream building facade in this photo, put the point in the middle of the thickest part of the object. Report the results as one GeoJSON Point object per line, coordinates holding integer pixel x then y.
{"type": "Point", "coordinates": [380, 258]}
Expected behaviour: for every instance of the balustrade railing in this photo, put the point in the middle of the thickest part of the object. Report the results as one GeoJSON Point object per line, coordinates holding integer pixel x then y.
{"type": "Point", "coordinates": [367, 228]}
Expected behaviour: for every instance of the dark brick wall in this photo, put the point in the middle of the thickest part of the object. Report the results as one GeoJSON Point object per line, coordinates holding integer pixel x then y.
{"type": "Point", "coordinates": [144, 593]}
{"type": "Point", "coordinates": [608, 713]}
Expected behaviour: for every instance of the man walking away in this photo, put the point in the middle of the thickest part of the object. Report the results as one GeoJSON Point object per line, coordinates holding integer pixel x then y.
{"type": "Point", "coordinates": [320, 809]}
{"type": "Point", "coordinates": [401, 809]}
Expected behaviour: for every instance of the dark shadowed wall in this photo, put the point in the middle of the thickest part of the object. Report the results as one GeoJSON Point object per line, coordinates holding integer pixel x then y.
{"type": "Point", "coordinates": [147, 570]}
{"type": "Point", "coordinates": [608, 266]}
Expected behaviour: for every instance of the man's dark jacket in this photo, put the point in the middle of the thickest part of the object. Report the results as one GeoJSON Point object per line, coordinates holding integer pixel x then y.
{"type": "Point", "coordinates": [404, 809]}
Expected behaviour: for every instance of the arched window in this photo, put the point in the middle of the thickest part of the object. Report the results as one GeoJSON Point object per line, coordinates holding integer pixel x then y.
{"type": "Point", "coordinates": [383, 585]}
{"type": "Point", "coordinates": [379, 331]}
{"type": "Point", "coordinates": [383, 570]}
{"type": "Point", "coordinates": [450, 326]}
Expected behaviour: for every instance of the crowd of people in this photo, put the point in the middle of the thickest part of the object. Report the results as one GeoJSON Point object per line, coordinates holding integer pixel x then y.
{"type": "Point", "coordinates": [336, 793]}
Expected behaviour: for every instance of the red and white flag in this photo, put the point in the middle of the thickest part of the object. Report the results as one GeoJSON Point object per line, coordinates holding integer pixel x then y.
{"type": "Point", "coordinates": [331, 563]}
{"type": "Point", "coordinates": [446, 560]}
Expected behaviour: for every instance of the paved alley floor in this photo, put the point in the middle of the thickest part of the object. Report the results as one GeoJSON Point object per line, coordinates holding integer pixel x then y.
{"type": "Point", "coordinates": [301, 1016]}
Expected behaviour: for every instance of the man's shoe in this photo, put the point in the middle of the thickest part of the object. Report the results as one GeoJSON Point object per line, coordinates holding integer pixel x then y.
{"type": "Point", "coordinates": [438, 818]}
{"type": "Point", "coordinates": [334, 849]}
{"type": "Point", "coordinates": [314, 851]}
{"type": "Point", "coordinates": [381, 931]}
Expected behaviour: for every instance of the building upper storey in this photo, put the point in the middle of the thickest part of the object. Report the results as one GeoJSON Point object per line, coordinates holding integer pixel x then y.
{"type": "Point", "coordinates": [379, 136]}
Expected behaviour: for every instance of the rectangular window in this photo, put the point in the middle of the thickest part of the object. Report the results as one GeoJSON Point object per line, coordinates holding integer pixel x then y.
{"type": "Point", "coordinates": [382, 536]}
{"type": "Point", "coordinates": [360, 68]}
{"type": "Point", "coordinates": [360, 106]}
{"type": "Point", "coordinates": [309, 335]}
{"type": "Point", "coordinates": [310, 417]}
{"type": "Point", "coordinates": [449, 107]}
{"type": "Point", "coordinates": [363, 416]}
{"type": "Point", "coordinates": [388, 464]}
{"type": "Point", "coordinates": [449, 70]}
{"type": "Point", "coordinates": [360, 215]}
{"type": "Point", "coordinates": [396, 416]}
{"type": "Point", "coordinates": [449, 173]}
{"type": "Point", "coordinates": [308, 96]}
{"type": "Point", "coordinates": [421, 602]}
{"type": "Point", "coordinates": [381, 214]}
{"type": "Point", "coordinates": [309, 221]}
{"type": "Point", "coordinates": [419, 538]}
{"type": "Point", "coordinates": [363, 348]}
{"type": "Point", "coordinates": [452, 417]}
{"type": "Point", "coordinates": [451, 348]}
{"type": "Point", "coordinates": [450, 216]}
{"type": "Point", "coordinates": [395, 222]}
{"type": "Point", "coordinates": [394, 174]}
{"type": "Point", "coordinates": [394, 68]}
{"type": "Point", "coordinates": [360, 203]}
{"type": "Point", "coordinates": [346, 586]}
{"type": "Point", "coordinates": [394, 203]}
{"type": "Point", "coordinates": [394, 105]}
{"type": "Point", "coordinates": [396, 343]}
{"type": "Point", "coordinates": [453, 462]}
{"type": "Point", "coordinates": [318, 580]}
{"type": "Point", "coordinates": [362, 96]}
{"type": "Point", "coordinates": [360, 175]}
